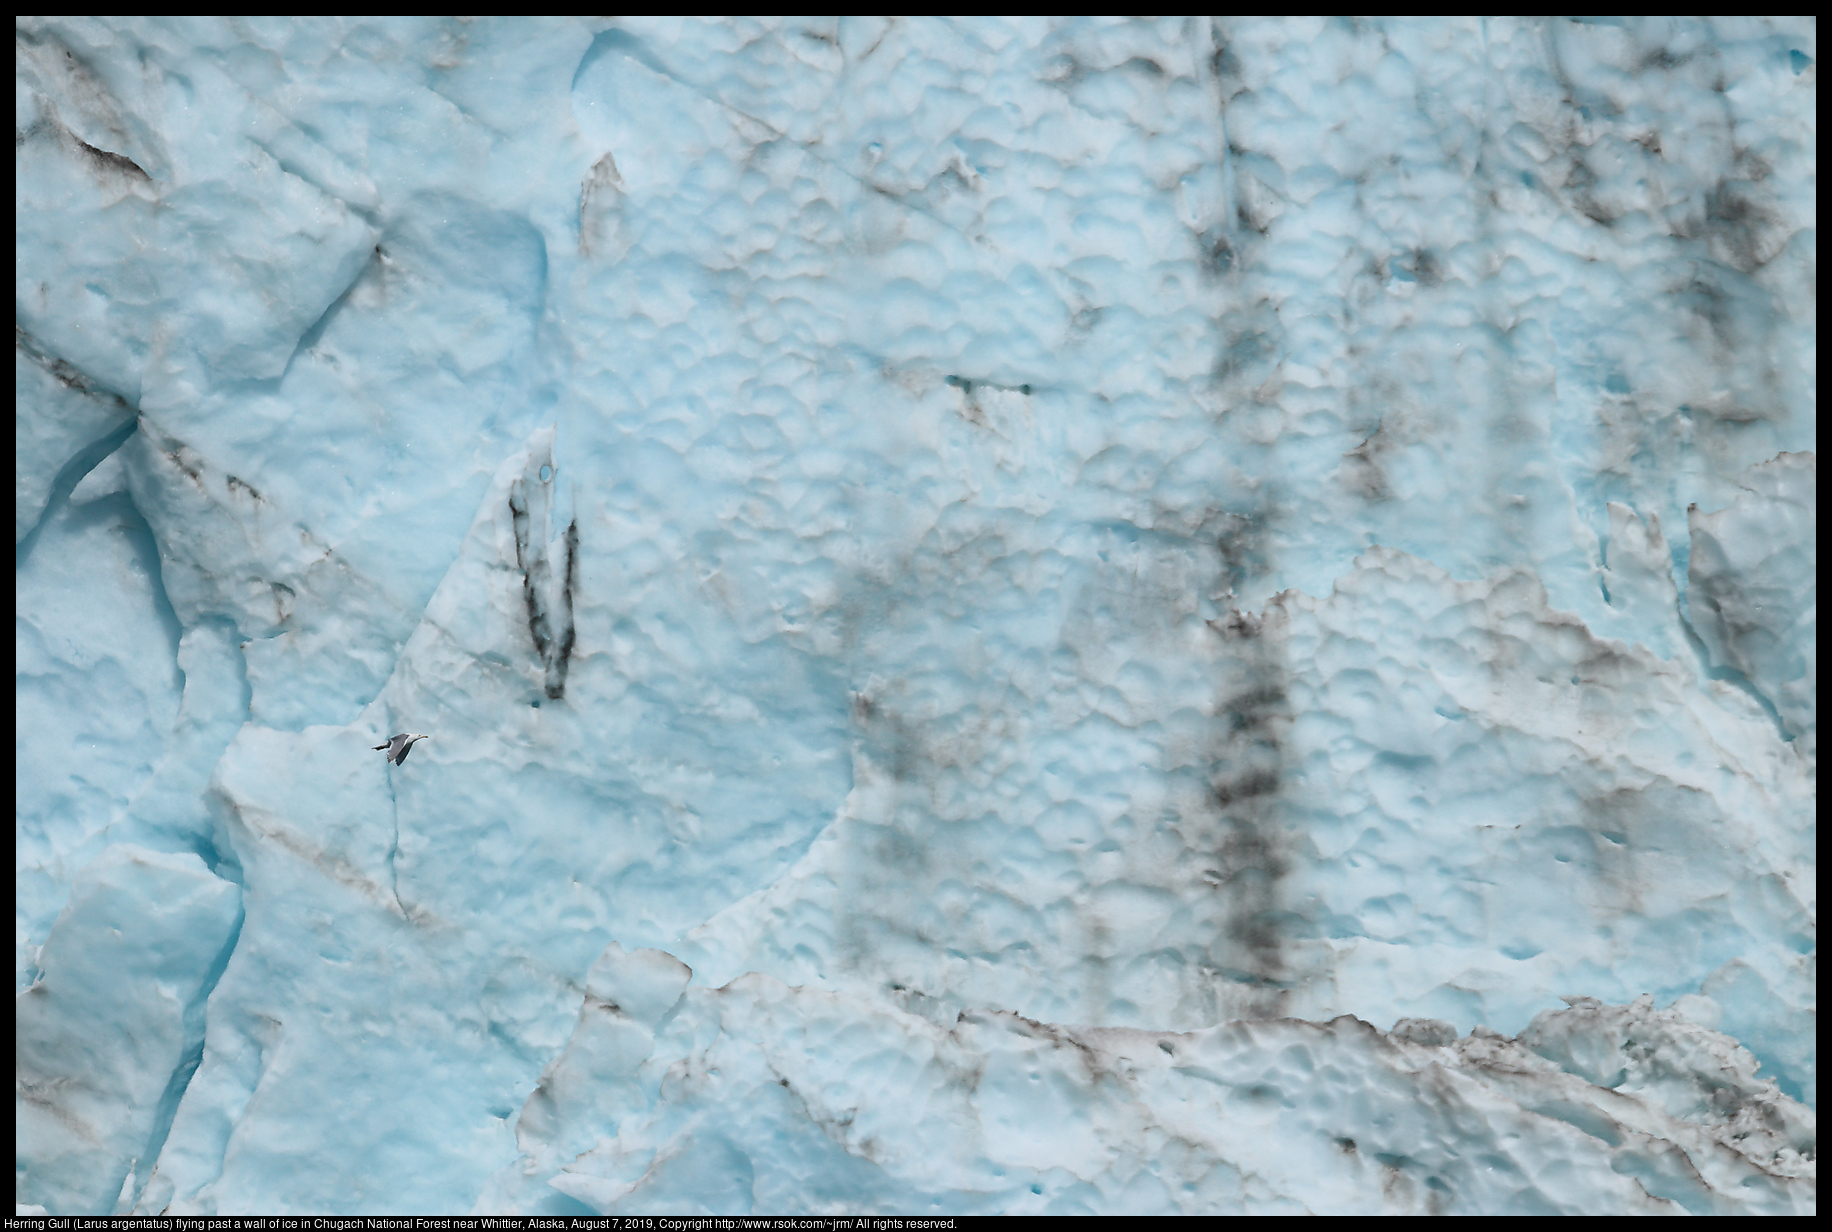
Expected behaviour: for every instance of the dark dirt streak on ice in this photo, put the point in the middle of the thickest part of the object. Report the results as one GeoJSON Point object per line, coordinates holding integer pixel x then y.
{"type": "Point", "coordinates": [552, 630]}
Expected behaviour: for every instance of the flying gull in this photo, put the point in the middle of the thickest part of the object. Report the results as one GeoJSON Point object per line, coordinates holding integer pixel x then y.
{"type": "Point", "coordinates": [398, 746]}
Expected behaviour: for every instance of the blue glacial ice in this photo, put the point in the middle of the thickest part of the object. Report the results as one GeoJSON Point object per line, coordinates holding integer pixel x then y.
{"type": "Point", "coordinates": [1039, 617]}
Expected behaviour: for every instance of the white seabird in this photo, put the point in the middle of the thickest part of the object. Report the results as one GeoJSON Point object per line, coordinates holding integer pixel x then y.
{"type": "Point", "coordinates": [398, 746]}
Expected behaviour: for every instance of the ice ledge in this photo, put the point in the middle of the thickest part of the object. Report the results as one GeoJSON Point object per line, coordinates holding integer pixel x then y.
{"type": "Point", "coordinates": [758, 1096]}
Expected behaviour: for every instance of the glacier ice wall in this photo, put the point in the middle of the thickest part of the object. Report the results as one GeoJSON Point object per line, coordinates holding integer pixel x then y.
{"type": "Point", "coordinates": [1043, 616]}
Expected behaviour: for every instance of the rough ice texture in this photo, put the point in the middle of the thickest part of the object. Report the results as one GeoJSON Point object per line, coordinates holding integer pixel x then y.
{"type": "Point", "coordinates": [1748, 605]}
{"type": "Point", "coordinates": [995, 1112]}
{"type": "Point", "coordinates": [990, 595]}
{"type": "Point", "coordinates": [113, 1028]}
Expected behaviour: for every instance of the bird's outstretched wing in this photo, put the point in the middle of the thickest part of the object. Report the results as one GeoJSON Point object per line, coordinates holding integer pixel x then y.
{"type": "Point", "coordinates": [378, 747]}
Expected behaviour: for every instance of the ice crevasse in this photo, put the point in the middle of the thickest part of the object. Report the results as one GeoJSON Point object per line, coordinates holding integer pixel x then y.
{"type": "Point", "coordinates": [1048, 616]}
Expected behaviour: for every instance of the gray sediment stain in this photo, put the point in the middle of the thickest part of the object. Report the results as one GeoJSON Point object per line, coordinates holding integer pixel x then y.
{"type": "Point", "coordinates": [1223, 840]}
{"type": "Point", "coordinates": [1237, 832]}
{"type": "Point", "coordinates": [550, 616]}
{"type": "Point", "coordinates": [107, 163]}
{"type": "Point", "coordinates": [66, 373]}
